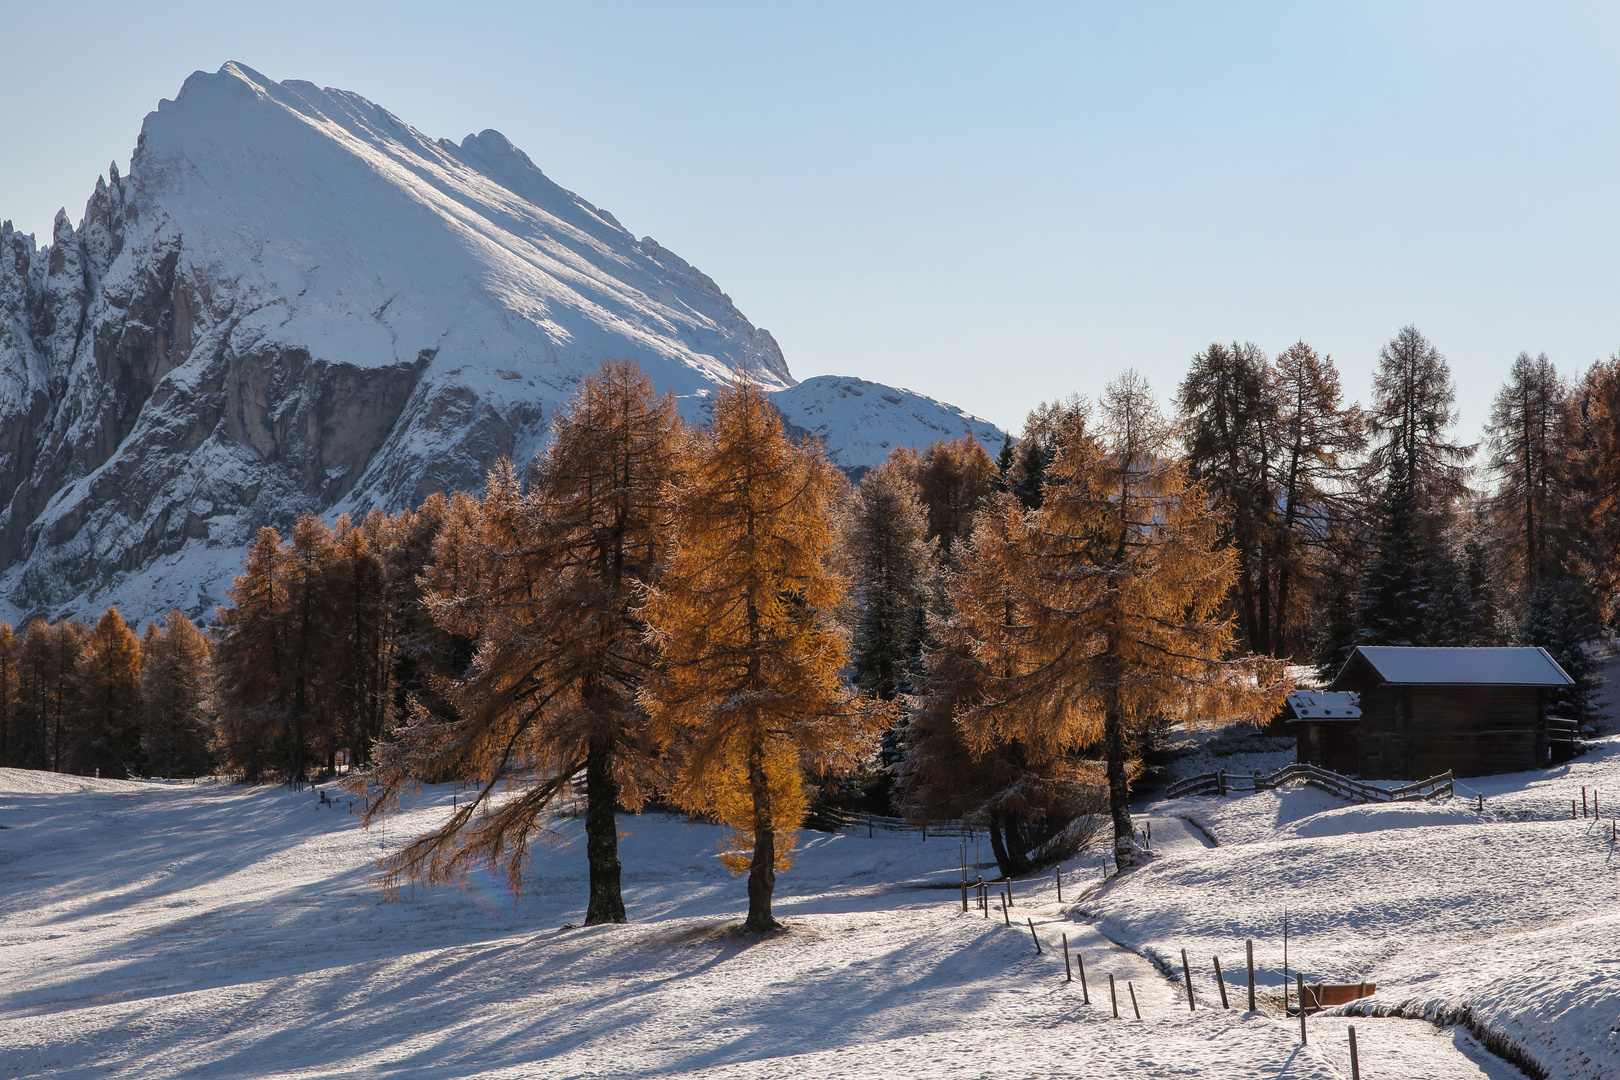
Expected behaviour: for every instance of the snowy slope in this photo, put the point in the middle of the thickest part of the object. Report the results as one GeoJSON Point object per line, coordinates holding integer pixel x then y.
{"type": "Point", "coordinates": [211, 931]}
{"type": "Point", "coordinates": [1507, 917]}
{"type": "Point", "coordinates": [295, 301]}
{"type": "Point", "coordinates": [859, 422]}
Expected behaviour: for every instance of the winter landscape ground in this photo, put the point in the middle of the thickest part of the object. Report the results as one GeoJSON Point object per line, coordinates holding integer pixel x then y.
{"type": "Point", "coordinates": [217, 930]}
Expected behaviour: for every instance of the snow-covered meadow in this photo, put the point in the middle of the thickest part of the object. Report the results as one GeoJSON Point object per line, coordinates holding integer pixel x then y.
{"type": "Point", "coordinates": [1506, 917]}
{"type": "Point", "coordinates": [212, 930]}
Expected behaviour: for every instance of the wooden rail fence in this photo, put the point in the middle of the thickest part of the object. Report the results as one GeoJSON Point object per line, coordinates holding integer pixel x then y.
{"type": "Point", "coordinates": [1223, 783]}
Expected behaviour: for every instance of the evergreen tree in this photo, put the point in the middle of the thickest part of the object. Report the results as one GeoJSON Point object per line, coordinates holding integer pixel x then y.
{"type": "Point", "coordinates": [894, 564]}
{"type": "Point", "coordinates": [1101, 614]}
{"type": "Point", "coordinates": [1482, 594]}
{"type": "Point", "coordinates": [1559, 619]}
{"type": "Point", "coordinates": [104, 732]}
{"type": "Point", "coordinates": [1449, 620]}
{"type": "Point", "coordinates": [175, 728]}
{"type": "Point", "coordinates": [1393, 601]}
{"type": "Point", "coordinates": [547, 584]}
{"type": "Point", "coordinates": [1006, 462]}
{"type": "Point", "coordinates": [1031, 475]}
{"type": "Point", "coordinates": [747, 691]}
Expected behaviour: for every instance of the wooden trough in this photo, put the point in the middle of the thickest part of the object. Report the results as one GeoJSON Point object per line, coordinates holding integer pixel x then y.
{"type": "Point", "coordinates": [1326, 995]}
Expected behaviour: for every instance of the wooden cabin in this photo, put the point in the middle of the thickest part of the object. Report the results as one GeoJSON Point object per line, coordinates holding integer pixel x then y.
{"type": "Point", "coordinates": [1473, 711]}
{"type": "Point", "coordinates": [1324, 724]}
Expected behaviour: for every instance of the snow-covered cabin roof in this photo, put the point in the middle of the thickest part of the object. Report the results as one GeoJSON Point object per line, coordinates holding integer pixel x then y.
{"type": "Point", "coordinates": [1325, 705]}
{"type": "Point", "coordinates": [1485, 667]}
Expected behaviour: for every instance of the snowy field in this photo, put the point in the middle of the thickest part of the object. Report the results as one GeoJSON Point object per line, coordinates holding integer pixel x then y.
{"type": "Point", "coordinates": [170, 929]}
{"type": "Point", "coordinates": [1508, 918]}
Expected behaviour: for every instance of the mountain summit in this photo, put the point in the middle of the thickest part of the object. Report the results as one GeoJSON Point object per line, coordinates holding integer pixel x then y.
{"type": "Point", "coordinates": [295, 301]}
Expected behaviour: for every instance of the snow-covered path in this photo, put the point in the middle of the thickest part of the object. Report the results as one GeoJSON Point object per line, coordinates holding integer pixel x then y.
{"type": "Point", "coordinates": [215, 931]}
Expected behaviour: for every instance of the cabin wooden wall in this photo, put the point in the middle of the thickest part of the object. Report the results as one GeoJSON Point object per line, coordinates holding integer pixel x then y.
{"type": "Point", "coordinates": [1329, 744]}
{"type": "Point", "coordinates": [1414, 732]}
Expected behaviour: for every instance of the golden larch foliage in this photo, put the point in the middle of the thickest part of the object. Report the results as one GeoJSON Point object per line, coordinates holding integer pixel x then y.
{"type": "Point", "coordinates": [748, 691]}
{"type": "Point", "coordinates": [547, 582]}
{"type": "Point", "coordinates": [1102, 613]}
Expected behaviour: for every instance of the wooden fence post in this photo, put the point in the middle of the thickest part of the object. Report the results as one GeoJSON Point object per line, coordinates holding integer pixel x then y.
{"type": "Point", "coordinates": [964, 896]}
{"type": "Point", "coordinates": [1068, 972]}
{"type": "Point", "coordinates": [1034, 935]}
{"type": "Point", "coordinates": [1060, 884]}
{"type": "Point", "coordinates": [1220, 981]}
{"type": "Point", "coordinates": [1301, 979]}
{"type": "Point", "coordinates": [1132, 991]}
{"type": "Point", "coordinates": [1005, 917]}
{"type": "Point", "coordinates": [1249, 948]}
{"type": "Point", "coordinates": [1355, 1063]}
{"type": "Point", "coordinates": [1186, 971]}
{"type": "Point", "coordinates": [1085, 991]}
{"type": "Point", "coordinates": [1113, 999]}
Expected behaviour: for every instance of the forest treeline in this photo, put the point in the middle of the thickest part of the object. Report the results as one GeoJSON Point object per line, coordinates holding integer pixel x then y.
{"type": "Point", "coordinates": [720, 619]}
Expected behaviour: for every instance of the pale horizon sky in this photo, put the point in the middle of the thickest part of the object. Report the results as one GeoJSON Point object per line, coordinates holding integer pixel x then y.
{"type": "Point", "coordinates": [991, 206]}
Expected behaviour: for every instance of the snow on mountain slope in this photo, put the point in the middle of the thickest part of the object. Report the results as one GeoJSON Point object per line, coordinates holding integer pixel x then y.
{"type": "Point", "coordinates": [859, 422]}
{"type": "Point", "coordinates": [295, 302]}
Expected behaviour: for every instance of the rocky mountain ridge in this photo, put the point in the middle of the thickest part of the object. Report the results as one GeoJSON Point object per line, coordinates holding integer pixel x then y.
{"type": "Point", "coordinates": [295, 301]}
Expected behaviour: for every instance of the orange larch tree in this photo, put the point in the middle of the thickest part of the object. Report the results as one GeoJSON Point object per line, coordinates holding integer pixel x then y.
{"type": "Point", "coordinates": [748, 692]}
{"type": "Point", "coordinates": [1101, 613]}
{"type": "Point", "coordinates": [547, 582]}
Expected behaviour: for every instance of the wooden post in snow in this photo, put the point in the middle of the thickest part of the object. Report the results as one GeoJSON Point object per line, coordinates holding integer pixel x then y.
{"type": "Point", "coordinates": [1005, 917]}
{"type": "Point", "coordinates": [1187, 972]}
{"type": "Point", "coordinates": [1034, 935]}
{"type": "Point", "coordinates": [1220, 981]}
{"type": "Point", "coordinates": [1132, 991]}
{"type": "Point", "coordinates": [1355, 1063]}
{"type": "Point", "coordinates": [1068, 972]}
{"type": "Point", "coordinates": [1301, 979]}
{"type": "Point", "coordinates": [1085, 991]}
{"type": "Point", "coordinates": [1060, 884]}
{"type": "Point", "coordinates": [1113, 998]}
{"type": "Point", "coordinates": [1248, 947]}
{"type": "Point", "coordinates": [964, 896]}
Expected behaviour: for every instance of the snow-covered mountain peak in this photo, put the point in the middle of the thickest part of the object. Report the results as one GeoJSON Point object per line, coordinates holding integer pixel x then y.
{"type": "Point", "coordinates": [296, 301]}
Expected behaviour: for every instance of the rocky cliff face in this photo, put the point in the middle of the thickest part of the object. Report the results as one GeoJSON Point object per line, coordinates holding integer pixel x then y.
{"type": "Point", "coordinates": [297, 302]}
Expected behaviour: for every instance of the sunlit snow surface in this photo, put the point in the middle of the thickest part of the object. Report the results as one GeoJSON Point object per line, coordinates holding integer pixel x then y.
{"type": "Point", "coordinates": [210, 930]}
{"type": "Point", "coordinates": [1512, 913]}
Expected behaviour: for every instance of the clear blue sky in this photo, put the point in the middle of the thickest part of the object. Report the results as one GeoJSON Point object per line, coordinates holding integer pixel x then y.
{"type": "Point", "coordinates": [989, 207]}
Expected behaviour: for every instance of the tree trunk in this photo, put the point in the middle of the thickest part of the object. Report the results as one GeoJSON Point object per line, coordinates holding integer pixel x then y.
{"type": "Point", "coordinates": [1119, 793]}
{"type": "Point", "coordinates": [1007, 846]}
{"type": "Point", "coordinates": [762, 870]}
{"type": "Point", "coordinates": [602, 837]}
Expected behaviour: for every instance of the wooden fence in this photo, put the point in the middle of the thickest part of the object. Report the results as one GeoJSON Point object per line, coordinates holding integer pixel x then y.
{"type": "Point", "coordinates": [1223, 782]}
{"type": "Point", "coordinates": [838, 820]}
